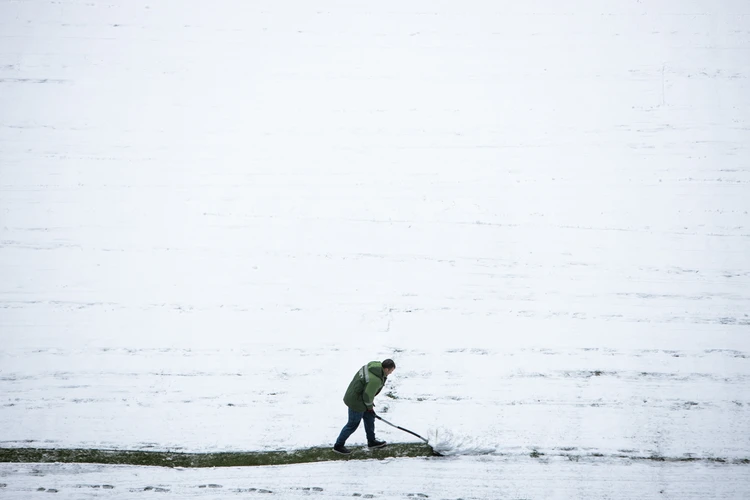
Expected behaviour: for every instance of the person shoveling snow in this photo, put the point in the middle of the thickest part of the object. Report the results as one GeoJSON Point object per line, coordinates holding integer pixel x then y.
{"type": "Point", "coordinates": [366, 384]}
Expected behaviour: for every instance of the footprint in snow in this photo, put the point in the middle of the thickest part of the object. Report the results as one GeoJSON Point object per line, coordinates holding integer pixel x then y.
{"type": "Point", "coordinates": [155, 488]}
{"type": "Point", "coordinates": [210, 486]}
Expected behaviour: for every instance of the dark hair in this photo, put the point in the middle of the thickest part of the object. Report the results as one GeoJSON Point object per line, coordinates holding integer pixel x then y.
{"type": "Point", "coordinates": [388, 363]}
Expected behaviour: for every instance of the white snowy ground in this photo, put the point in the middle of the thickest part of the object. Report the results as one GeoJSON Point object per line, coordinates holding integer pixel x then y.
{"type": "Point", "coordinates": [465, 478]}
{"type": "Point", "coordinates": [211, 214]}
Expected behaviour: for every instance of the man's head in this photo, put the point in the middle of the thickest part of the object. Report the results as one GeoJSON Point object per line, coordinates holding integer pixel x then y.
{"type": "Point", "coordinates": [388, 366]}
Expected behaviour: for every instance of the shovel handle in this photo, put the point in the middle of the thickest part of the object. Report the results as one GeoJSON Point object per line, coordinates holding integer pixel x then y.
{"type": "Point", "coordinates": [401, 428]}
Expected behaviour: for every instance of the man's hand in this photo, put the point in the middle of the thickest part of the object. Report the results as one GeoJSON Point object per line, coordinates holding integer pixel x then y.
{"type": "Point", "coordinates": [370, 410]}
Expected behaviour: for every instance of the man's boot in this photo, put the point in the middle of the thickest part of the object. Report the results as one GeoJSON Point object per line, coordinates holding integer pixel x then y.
{"type": "Point", "coordinates": [376, 444]}
{"type": "Point", "coordinates": [341, 449]}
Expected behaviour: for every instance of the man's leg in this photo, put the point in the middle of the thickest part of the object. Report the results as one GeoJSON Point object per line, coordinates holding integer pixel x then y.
{"type": "Point", "coordinates": [354, 418]}
{"type": "Point", "coordinates": [369, 418]}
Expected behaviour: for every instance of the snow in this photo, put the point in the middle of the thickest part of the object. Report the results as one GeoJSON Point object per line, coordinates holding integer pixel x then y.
{"type": "Point", "coordinates": [210, 218]}
{"type": "Point", "coordinates": [448, 443]}
{"type": "Point", "coordinates": [450, 478]}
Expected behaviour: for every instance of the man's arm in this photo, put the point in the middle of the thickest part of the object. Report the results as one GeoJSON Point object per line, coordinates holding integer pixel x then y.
{"type": "Point", "coordinates": [370, 390]}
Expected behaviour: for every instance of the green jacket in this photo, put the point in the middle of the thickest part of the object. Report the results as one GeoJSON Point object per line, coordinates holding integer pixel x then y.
{"type": "Point", "coordinates": [366, 384]}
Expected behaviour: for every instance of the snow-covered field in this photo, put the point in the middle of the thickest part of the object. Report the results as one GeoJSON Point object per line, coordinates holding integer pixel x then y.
{"type": "Point", "coordinates": [212, 214]}
{"type": "Point", "coordinates": [408, 479]}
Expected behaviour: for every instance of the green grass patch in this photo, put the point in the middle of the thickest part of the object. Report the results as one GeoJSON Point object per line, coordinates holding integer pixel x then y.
{"type": "Point", "coordinates": [221, 459]}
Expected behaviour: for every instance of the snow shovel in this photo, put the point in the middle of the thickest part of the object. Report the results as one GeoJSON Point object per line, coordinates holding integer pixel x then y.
{"type": "Point", "coordinates": [410, 432]}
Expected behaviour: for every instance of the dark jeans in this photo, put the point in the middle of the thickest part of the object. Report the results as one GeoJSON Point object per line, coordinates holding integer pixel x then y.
{"type": "Point", "coordinates": [353, 423]}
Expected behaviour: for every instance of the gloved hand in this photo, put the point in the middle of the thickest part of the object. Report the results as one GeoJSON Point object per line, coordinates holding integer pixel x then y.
{"type": "Point", "coordinates": [370, 410]}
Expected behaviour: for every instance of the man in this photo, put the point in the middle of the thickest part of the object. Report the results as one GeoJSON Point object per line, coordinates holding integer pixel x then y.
{"type": "Point", "coordinates": [367, 383]}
